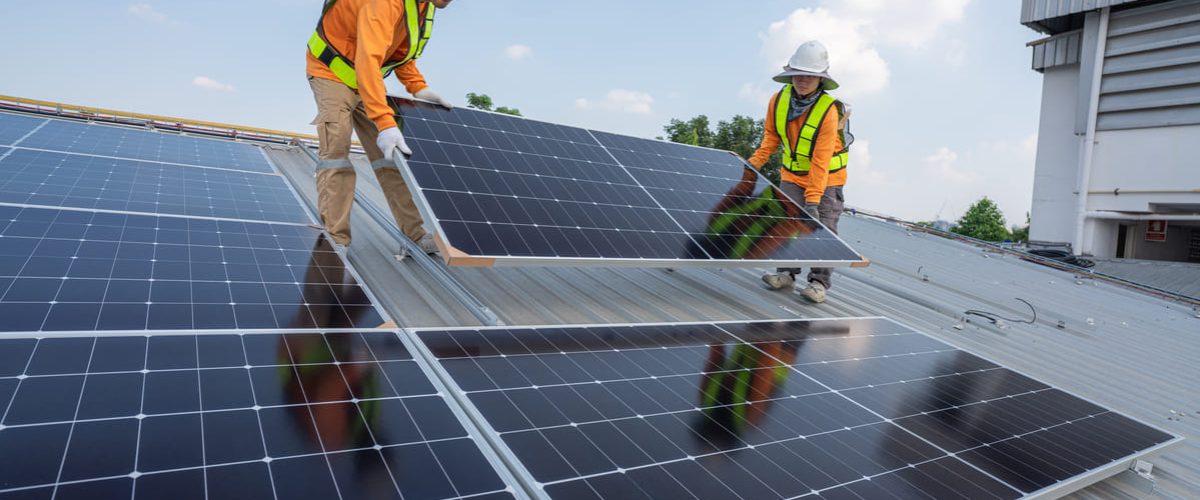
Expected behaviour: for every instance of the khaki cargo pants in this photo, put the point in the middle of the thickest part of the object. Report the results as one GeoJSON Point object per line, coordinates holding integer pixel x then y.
{"type": "Point", "coordinates": [833, 202]}
{"type": "Point", "coordinates": [340, 110]}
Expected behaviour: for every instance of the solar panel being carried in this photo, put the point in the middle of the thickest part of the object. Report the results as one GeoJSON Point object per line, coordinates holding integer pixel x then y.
{"type": "Point", "coordinates": [223, 415]}
{"type": "Point", "coordinates": [843, 408]}
{"type": "Point", "coordinates": [508, 191]}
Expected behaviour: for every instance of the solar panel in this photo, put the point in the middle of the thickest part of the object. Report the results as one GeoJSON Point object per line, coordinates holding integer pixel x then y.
{"type": "Point", "coordinates": [70, 180]}
{"type": "Point", "coordinates": [843, 408]}
{"type": "Point", "coordinates": [64, 270]}
{"type": "Point", "coordinates": [14, 127]}
{"type": "Point", "coordinates": [299, 415]}
{"type": "Point", "coordinates": [505, 190]}
{"type": "Point", "coordinates": [121, 142]}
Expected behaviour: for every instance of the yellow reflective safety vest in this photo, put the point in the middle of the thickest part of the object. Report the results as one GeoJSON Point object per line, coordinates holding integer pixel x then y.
{"type": "Point", "coordinates": [798, 157]}
{"type": "Point", "coordinates": [419, 30]}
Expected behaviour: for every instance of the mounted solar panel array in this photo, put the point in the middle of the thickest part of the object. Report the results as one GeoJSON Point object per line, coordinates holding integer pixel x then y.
{"type": "Point", "coordinates": [508, 191]}
{"type": "Point", "coordinates": [223, 415]}
{"type": "Point", "coordinates": [193, 234]}
{"type": "Point", "coordinates": [857, 408]}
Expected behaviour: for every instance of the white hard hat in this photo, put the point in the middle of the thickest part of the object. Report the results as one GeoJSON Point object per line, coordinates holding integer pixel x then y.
{"type": "Point", "coordinates": [811, 59]}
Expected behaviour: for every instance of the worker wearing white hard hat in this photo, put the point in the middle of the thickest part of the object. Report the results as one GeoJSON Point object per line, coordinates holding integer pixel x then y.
{"type": "Point", "coordinates": [811, 126]}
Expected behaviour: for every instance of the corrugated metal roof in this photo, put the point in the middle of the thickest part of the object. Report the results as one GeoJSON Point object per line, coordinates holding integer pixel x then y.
{"type": "Point", "coordinates": [1177, 277]}
{"type": "Point", "coordinates": [1132, 352]}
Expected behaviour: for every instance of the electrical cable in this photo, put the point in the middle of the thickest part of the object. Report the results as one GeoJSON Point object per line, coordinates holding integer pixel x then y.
{"type": "Point", "coordinates": [995, 318]}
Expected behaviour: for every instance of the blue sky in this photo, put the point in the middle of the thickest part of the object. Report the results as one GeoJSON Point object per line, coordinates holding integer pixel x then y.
{"type": "Point", "coordinates": [945, 105]}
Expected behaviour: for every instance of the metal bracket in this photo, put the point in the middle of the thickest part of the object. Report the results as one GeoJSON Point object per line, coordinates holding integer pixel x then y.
{"type": "Point", "coordinates": [1140, 475]}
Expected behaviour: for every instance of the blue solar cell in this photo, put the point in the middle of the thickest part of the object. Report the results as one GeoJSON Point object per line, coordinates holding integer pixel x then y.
{"type": "Point", "coordinates": [121, 142]}
{"type": "Point", "coordinates": [294, 415]}
{"type": "Point", "coordinates": [70, 180]}
{"type": "Point", "coordinates": [13, 127]}
{"type": "Point", "coordinates": [80, 270]}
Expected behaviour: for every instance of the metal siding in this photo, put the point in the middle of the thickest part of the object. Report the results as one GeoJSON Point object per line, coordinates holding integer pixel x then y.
{"type": "Point", "coordinates": [1152, 67]}
{"type": "Point", "coordinates": [1060, 50]}
{"type": "Point", "coordinates": [1034, 11]}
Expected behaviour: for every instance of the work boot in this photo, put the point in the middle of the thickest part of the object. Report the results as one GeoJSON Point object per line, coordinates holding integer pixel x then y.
{"type": "Point", "coordinates": [814, 292]}
{"type": "Point", "coordinates": [427, 244]}
{"type": "Point", "coordinates": [779, 281]}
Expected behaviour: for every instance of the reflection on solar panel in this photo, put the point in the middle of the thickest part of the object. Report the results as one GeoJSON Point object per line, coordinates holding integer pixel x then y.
{"type": "Point", "coordinates": [347, 415]}
{"type": "Point", "coordinates": [829, 408]}
{"type": "Point", "coordinates": [511, 191]}
{"type": "Point", "coordinates": [14, 127]}
{"type": "Point", "coordinates": [80, 270]}
{"type": "Point", "coordinates": [72, 137]}
{"type": "Point", "coordinates": [70, 180]}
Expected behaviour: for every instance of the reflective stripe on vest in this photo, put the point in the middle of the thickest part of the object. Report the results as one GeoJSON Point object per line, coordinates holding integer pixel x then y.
{"type": "Point", "coordinates": [798, 158]}
{"type": "Point", "coordinates": [343, 67]}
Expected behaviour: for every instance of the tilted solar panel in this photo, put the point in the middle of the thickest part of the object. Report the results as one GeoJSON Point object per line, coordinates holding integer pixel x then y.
{"type": "Point", "coordinates": [776, 409]}
{"type": "Point", "coordinates": [504, 190]}
{"type": "Point", "coordinates": [223, 415]}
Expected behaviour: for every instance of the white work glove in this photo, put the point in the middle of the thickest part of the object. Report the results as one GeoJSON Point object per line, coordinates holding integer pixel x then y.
{"type": "Point", "coordinates": [391, 139]}
{"type": "Point", "coordinates": [431, 96]}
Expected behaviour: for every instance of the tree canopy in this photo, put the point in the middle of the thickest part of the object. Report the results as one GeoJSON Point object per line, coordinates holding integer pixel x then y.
{"type": "Point", "coordinates": [484, 102]}
{"type": "Point", "coordinates": [984, 221]}
{"type": "Point", "coordinates": [740, 134]}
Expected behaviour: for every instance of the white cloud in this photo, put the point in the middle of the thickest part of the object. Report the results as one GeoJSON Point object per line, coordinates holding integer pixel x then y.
{"type": "Point", "coordinates": [860, 164]}
{"type": "Point", "coordinates": [755, 94]}
{"type": "Point", "coordinates": [854, 61]}
{"type": "Point", "coordinates": [205, 82]}
{"type": "Point", "coordinates": [620, 100]}
{"type": "Point", "coordinates": [146, 12]}
{"type": "Point", "coordinates": [942, 166]}
{"type": "Point", "coordinates": [518, 52]}
{"type": "Point", "coordinates": [913, 23]}
{"type": "Point", "coordinates": [853, 30]}
{"type": "Point", "coordinates": [1029, 145]}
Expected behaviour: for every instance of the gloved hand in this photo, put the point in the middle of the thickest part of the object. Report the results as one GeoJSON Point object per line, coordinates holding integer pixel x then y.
{"type": "Point", "coordinates": [811, 210]}
{"type": "Point", "coordinates": [391, 139]}
{"type": "Point", "coordinates": [431, 96]}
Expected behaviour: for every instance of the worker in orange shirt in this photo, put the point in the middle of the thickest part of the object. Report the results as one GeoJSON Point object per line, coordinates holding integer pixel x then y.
{"type": "Point", "coordinates": [810, 124]}
{"type": "Point", "coordinates": [356, 44]}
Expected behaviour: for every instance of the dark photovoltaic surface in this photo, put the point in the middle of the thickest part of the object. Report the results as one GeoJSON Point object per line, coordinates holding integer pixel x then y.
{"type": "Point", "coordinates": [121, 142]}
{"type": "Point", "coordinates": [71, 180]}
{"type": "Point", "coordinates": [80, 270]}
{"type": "Point", "coordinates": [302, 415]}
{"type": "Point", "coordinates": [524, 191]}
{"type": "Point", "coordinates": [826, 408]}
{"type": "Point", "coordinates": [14, 127]}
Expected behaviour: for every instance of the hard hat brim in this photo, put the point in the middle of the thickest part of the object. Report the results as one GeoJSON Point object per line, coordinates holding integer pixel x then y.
{"type": "Point", "coordinates": [827, 82]}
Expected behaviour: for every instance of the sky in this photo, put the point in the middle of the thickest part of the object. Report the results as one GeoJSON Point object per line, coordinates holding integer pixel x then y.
{"type": "Point", "coordinates": [945, 105]}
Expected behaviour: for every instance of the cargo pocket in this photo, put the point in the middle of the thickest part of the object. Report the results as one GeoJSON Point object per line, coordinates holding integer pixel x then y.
{"type": "Point", "coordinates": [333, 129]}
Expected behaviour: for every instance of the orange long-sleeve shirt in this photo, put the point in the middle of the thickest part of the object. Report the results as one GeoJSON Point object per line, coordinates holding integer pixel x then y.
{"type": "Point", "coordinates": [370, 33]}
{"type": "Point", "coordinates": [826, 143]}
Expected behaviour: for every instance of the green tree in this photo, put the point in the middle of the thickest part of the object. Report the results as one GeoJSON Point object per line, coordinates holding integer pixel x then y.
{"type": "Point", "coordinates": [479, 101]}
{"type": "Point", "coordinates": [1021, 233]}
{"type": "Point", "coordinates": [484, 102]}
{"type": "Point", "coordinates": [983, 221]}
{"type": "Point", "coordinates": [740, 134]}
{"type": "Point", "coordinates": [509, 111]}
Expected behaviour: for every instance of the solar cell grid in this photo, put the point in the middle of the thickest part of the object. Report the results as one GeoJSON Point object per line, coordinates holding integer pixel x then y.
{"type": "Point", "coordinates": [69, 180]}
{"type": "Point", "coordinates": [231, 416]}
{"type": "Point", "coordinates": [122, 142]}
{"type": "Point", "coordinates": [521, 192]}
{"type": "Point", "coordinates": [774, 409]}
{"type": "Point", "coordinates": [79, 270]}
{"type": "Point", "coordinates": [13, 127]}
